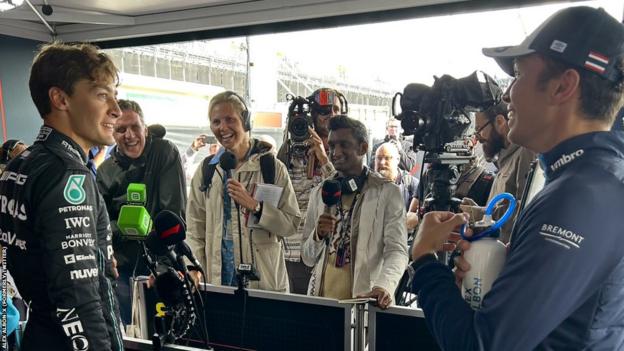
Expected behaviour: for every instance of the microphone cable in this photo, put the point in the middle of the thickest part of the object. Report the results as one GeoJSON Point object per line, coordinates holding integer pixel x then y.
{"type": "Point", "coordinates": [203, 322]}
{"type": "Point", "coordinates": [253, 265]}
{"type": "Point", "coordinates": [241, 276]}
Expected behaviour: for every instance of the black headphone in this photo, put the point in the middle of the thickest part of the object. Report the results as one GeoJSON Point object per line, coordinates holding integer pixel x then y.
{"type": "Point", "coordinates": [352, 184]}
{"type": "Point", "coordinates": [245, 115]}
{"type": "Point", "coordinates": [7, 148]}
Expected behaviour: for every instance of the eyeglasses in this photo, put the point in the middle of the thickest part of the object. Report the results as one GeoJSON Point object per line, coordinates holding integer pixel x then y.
{"type": "Point", "coordinates": [477, 132]}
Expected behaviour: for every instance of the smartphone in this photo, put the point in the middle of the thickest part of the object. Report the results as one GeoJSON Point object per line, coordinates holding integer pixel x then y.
{"type": "Point", "coordinates": [210, 139]}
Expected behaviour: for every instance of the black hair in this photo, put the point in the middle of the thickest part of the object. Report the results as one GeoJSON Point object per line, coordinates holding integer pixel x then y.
{"type": "Point", "coordinates": [600, 99]}
{"type": "Point", "coordinates": [499, 109]}
{"type": "Point", "coordinates": [358, 129]}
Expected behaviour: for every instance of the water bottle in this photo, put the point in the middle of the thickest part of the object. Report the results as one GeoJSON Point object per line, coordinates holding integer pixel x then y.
{"type": "Point", "coordinates": [486, 258]}
{"type": "Point", "coordinates": [487, 254]}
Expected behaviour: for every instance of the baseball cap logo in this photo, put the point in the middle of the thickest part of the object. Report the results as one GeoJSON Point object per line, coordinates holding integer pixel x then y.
{"type": "Point", "coordinates": [558, 46]}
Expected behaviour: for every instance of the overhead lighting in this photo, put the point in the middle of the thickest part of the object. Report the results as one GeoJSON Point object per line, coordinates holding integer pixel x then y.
{"type": "Point", "coordinates": [6, 5]}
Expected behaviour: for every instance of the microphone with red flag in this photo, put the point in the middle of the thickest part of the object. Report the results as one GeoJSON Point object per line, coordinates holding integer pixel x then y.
{"type": "Point", "coordinates": [169, 234]}
{"type": "Point", "coordinates": [331, 193]}
{"type": "Point", "coordinates": [170, 228]}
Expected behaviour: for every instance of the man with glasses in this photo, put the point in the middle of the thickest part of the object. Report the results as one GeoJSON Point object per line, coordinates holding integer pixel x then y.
{"type": "Point", "coordinates": [513, 163]}
{"type": "Point", "coordinates": [409, 158]}
{"type": "Point", "coordinates": [327, 103]}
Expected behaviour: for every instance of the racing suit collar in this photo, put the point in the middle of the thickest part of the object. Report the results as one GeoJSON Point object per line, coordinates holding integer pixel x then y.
{"type": "Point", "coordinates": [570, 150]}
{"type": "Point", "coordinates": [52, 137]}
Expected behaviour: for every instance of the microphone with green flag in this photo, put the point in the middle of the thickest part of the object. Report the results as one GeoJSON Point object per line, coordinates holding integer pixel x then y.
{"type": "Point", "coordinates": [134, 221]}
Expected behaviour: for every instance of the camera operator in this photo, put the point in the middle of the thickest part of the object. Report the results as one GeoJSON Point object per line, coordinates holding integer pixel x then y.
{"type": "Point", "coordinates": [562, 284]}
{"type": "Point", "coordinates": [513, 163]}
{"type": "Point", "coordinates": [326, 103]}
{"type": "Point", "coordinates": [360, 249]}
{"type": "Point", "coordinates": [409, 158]}
{"type": "Point", "coordinates": [218, 212]}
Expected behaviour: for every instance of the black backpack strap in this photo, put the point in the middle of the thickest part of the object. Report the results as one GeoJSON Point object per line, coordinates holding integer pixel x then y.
{"type": "Point", "coordinates": [208, 171]}
{"type": "Point", "coordinates": [267, 167]}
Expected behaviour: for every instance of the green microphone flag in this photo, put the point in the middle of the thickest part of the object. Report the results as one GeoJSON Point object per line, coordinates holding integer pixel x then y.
{"type": "Point", "coordinates": [134, 221]}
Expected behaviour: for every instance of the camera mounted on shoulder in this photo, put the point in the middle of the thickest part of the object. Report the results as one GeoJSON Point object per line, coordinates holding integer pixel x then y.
{"type": "Point", "coordinates": [303, 110]}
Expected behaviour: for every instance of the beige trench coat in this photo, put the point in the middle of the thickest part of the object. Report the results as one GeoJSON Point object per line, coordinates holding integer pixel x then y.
{"type": "Point", "coordinates": [204, 215]}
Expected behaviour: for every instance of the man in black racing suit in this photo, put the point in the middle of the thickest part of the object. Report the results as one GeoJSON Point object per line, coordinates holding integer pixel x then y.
{"type": "Point", "coordinates": [52, 218]}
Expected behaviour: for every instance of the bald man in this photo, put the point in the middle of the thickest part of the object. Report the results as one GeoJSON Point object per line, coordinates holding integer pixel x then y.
{"type": "Point", "coordinates": [387, 158]}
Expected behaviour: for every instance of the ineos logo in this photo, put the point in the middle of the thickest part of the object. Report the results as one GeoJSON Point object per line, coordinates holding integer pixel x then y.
{"type": "Point", "coordinates": [80, 343]}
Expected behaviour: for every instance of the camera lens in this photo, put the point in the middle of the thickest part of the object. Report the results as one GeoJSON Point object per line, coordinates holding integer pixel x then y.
{"type": "Point", "coordinates": [299, 128]}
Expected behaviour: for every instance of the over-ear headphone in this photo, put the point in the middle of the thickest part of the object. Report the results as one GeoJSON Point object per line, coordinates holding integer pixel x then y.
{"type": "Point", "coordinates": [245, 114]}
{"type": "Point", "coordinates": [352, 184]}
{"type": "Point", "coordinates": [7, 148]}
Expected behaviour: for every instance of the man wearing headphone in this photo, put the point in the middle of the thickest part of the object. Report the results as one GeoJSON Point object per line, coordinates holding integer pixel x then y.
{"type": "Point", "coordinates": [138, 158]}
{"type": "Point", "coordinates": [228, 228]}
{"type": "Point", "coordinates": [306, 170]}
{"type": "Point", "coordinates": [10, 149]}
{"type": "Point", "coordinates": [359, 247]}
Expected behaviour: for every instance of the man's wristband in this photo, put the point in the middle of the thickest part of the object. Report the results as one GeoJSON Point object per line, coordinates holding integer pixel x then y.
{"type": "Point", "coordinates": [327, 169]}
{"type": "Point", "coordinates": [422, 260]}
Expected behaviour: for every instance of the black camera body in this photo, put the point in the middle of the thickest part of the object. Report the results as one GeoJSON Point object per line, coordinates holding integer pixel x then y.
{"type": "Point", "coordinates": [438, 116]}
{"type": "Point", "coordinates": [299, 119]}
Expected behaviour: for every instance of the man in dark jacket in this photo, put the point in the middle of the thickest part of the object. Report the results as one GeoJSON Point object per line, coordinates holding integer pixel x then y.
{"type": "Point", "coordinates": [562, 284]}
{"type": "Point", "coordinates": [409, 160]}
{"type": "Point", "coordinates": [138, 158]}
{"type": "Point", "coordinates": [53, 220]}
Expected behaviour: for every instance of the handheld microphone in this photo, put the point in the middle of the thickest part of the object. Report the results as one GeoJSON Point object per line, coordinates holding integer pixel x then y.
{"type": "Point", "coordinates": [183, 249]}
{"type": "Point", "coordinates": [134, 221]}
{"type": "Point", "coordinates": [157, 247]}
{"type": "Point", "coordinates": [169, 230]}
{"type": "Point", "coordinates": [169, 234]}
{"type": "Point", "coordinates": [227, 161]}
{"type": "Point", "coordinates": [330, 194]}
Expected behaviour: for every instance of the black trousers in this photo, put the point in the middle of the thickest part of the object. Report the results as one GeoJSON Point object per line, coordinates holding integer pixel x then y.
{"type": "Point", "coordinates": [298, 277]}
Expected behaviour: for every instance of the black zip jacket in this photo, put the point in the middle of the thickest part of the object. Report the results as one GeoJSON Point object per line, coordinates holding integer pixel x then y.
{"type": "Point", "coordinates": [55, 225]}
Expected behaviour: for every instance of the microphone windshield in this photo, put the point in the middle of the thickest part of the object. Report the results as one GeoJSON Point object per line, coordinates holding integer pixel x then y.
{"type": "Point", "coordinates": [414, 95]}
{"type": "Point", "coordinates": [227, 161]}
{"type": "Point", "coordinates": [155, 245]}
{"type": "Point", "coordinates": [157, 130]}
{"type": "Point", "coordinates": [169, 227]}
{"type": "Point", "coordinates": [331, 192]}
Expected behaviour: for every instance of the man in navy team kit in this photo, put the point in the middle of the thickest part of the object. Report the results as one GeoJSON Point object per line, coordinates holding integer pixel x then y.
{"type": "Point", "coordinates": [562, 286]}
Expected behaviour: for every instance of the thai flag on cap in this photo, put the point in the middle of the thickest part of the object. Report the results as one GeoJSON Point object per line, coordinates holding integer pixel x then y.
{"type": "Point", "coordinates": [325, 97]}
{"type": "Point", "coordinates": [596, 62]}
